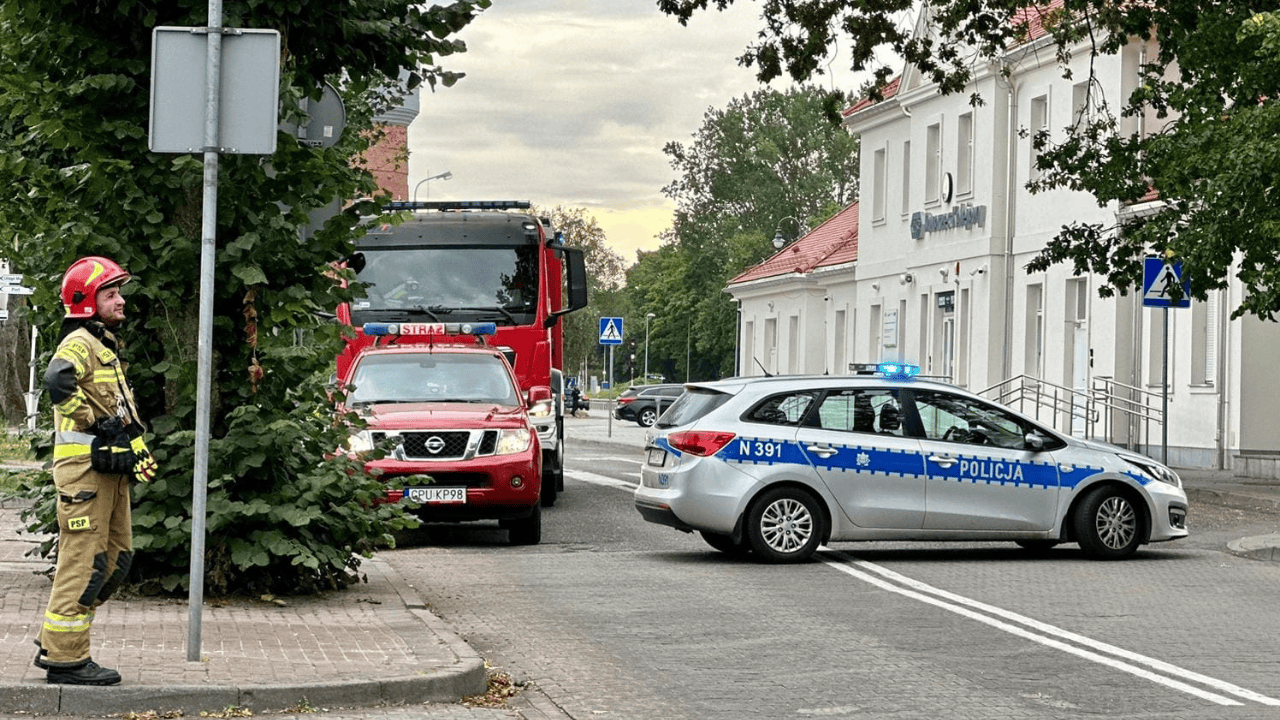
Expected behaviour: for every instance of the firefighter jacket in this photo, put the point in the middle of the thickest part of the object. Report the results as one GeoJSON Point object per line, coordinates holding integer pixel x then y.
{"type": "Point", "coordinates": [86, 382]}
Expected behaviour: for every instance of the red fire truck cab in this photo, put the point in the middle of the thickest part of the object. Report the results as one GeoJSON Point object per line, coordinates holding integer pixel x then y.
{"type": "Point", "coordinates": [477, 262]}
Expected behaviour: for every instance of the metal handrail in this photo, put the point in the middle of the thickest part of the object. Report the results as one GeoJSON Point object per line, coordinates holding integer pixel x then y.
{"type": "Point", "coordinates": [1098, 406]}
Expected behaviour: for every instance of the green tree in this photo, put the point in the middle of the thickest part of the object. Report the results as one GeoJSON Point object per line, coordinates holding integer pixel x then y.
{"type": "Point", "coordinates": [766, 162]}
{"type": "Point", "coordinates": [1210, 81]}
{"type": "Point", "coordinates": [76, 179]}
{"type": "Point", "coordinates": [606, 273]}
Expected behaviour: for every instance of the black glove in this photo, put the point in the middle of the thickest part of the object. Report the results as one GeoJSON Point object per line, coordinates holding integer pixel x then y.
{"type": "Point", "coordinates": [110, 451]}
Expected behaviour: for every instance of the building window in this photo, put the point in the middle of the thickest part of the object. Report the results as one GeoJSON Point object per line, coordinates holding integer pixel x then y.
{"type": "Point", "coordinates": [1033, 362]}
{"type": "Point", "coordinates": [1204, 340]}
{"type": "Point", "coordinates": [793, 345]}
{"type": "Point", "coordinates": [771, 344]}
{"type": "Point", "coordinates": [875, 343]}
{"type": "Point", "coordinates": [1156, 341]}
{"type": "Point", "coordinates": [840, 366]}
{"type": "Point", "coordinates": [748, 356]}
{"type": "Point", "coordinates": [933, 163]}
{"type": "Point", "coordinates": [879, 187]}
{"type": "Point", "coordinates": [1039, 124]}
{"type": "Point", "coordinates": [964, 155]}
{"type": "Point", "coordinates": [1080, 114]}
{"type": "Point", "coordinates": [906, 177]}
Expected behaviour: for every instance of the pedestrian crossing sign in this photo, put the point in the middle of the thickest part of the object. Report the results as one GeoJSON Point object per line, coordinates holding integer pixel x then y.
{"type": "Point", "coordinates": [610, 331]}
{"type": "Point", "coordinates": [1159, 277]}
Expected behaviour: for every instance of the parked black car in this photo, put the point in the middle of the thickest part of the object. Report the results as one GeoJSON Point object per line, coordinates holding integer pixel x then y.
{"type": "Point", "coordinates": [644, 403]}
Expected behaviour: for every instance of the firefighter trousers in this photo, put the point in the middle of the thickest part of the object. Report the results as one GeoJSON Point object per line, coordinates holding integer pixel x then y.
{"type": "Point", "coordinates": [95, 549]}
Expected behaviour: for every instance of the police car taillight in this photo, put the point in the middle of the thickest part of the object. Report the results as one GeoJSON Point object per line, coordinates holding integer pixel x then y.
{"type": "Point", "coordinates": [700, 442]}
{"type": "Point", "coordinates": [410, 329]}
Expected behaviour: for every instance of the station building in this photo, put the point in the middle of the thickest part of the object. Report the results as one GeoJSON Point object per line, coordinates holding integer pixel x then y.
{"type": "Point", "coordinates": [930, 267]}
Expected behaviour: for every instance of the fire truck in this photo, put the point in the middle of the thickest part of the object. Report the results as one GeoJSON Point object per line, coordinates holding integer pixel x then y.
{"type": "Point", "coordinates": [477, 261]}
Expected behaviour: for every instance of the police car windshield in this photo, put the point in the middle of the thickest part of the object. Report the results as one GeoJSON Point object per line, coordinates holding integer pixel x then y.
{"type": "Point", "coordinates": [498, 282]}
{"type": "Point", "coordinates": [432, 377]}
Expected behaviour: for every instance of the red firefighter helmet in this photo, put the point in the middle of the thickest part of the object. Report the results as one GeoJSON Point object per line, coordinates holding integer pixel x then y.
{"type": "Point", "coordinates": [83, 280]}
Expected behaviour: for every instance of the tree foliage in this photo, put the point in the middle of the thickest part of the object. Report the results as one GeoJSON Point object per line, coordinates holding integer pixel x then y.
{"type": "Point", "coordinates": [76, 179]}
{"type": "Point", "coordinates": [606, 273]}
{"type": "Point", "coordinates": [1210, 85]}
{"type": "Point", "coordinates": [767, 162]}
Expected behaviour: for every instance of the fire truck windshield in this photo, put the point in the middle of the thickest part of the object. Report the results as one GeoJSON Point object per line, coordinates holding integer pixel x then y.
{"type": "Point", "coordinates": [498, 284]}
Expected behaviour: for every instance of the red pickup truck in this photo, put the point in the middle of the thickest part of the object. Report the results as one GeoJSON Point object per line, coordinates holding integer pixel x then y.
{"type": "Point", "coordinates": [448, 407]}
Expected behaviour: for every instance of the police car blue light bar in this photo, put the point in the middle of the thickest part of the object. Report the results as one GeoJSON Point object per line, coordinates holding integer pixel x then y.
{"type": "Point", "coordinates": [898, 371]}
{"type": "Point", "coordinates": [407, 329]}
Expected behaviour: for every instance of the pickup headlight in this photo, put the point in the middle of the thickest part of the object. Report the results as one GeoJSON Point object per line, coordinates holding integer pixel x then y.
{"type": "Point", "coordinates": [1154, 470]}
{"type": "Point", "coordinates": [513, 441]}
{"type": "Point", "coordinates": [360, 442]}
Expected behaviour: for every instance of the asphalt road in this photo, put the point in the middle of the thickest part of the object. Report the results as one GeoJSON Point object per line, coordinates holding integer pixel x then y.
{"type": "Point", "coordinates": [611, 617]}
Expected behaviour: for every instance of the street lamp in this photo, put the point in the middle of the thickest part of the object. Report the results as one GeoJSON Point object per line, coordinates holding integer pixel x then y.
{"type": "Point", "coordinates": [647, 318]}
{"type": "Point", "coordinates": [446, 175]}
{"type": "Point", "coordinates": [780, 240]}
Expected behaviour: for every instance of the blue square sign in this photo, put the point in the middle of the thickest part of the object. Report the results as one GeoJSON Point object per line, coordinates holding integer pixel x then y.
{"type": "Point", "coordinates": [610, 331]}
{"type": "Point", "coordinates": [1158, 278]}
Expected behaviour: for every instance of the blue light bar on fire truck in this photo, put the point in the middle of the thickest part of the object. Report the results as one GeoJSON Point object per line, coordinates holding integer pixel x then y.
{"type": "Point", "coordinates": [408, 329]}
{"type": "Point", "coordinates": [458, 205]}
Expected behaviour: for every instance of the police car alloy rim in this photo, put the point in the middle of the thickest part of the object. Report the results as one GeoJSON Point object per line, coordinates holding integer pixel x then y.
{"type": "Point", "coordinates": [786, 525]}
{"type": "Point", "coordinates": [1117, 523]}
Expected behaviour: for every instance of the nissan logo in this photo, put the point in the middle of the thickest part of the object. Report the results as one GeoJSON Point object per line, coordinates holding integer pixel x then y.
{"type": "Point", "coordinates": [435, 444]}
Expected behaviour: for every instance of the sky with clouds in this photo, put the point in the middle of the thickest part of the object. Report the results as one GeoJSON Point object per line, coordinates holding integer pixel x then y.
{"type": "Point", "coordinates": [570, 102]}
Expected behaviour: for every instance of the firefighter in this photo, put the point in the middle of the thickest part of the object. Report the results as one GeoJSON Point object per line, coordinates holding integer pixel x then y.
{"type": "Point", "coordinates": [98, 449]}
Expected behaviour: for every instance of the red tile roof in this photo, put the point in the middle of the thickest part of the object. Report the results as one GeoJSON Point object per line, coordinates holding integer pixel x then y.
{"type": "Point", "coordinates": [887, 91]}
{"type": "Point", "coordinates": [834, 242]}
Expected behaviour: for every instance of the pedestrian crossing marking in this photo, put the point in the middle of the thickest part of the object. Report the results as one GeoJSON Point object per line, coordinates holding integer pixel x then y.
{"type": "Point", "coordinates": [611, 333]}
{"type": "Point", "coordinates": [1166, 279]}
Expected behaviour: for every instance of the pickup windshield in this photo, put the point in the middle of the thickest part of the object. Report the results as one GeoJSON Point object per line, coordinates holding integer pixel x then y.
{"type": "Point", "coordinates": [432, 377]}
{"type": "Point", "coordinates": [465, 283]}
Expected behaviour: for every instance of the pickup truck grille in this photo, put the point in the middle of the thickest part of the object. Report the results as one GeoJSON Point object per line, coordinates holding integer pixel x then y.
{"type": "Point", "coordinates": [442, 444]}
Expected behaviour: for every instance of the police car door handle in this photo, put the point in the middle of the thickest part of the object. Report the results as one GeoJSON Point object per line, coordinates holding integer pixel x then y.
{"type": "Point", "coordinates": [825, 451]}
{"type": "Point", "coordinates": [942, 460]}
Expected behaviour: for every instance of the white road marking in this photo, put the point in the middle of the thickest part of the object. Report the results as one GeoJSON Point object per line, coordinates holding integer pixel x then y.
{"type": "Point", "coordinates": [594, 458]}
{"type": "Point", "coordinates": [594, 479]}
{"type": "Point", "coordinates": [1092, 648]}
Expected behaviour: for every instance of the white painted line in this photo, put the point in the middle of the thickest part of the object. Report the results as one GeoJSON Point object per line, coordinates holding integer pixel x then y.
{"type": "Point", "coordinates": [1160, 665]}
{"type": "Point", "coordinates": [593, 458]}
{"type": "Point", "coordinates": [595, 479]}
{"type": "Point", "coordinates": [957, 604]}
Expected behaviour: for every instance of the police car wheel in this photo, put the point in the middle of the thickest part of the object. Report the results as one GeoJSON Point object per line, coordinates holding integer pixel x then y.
{"type": "Point", "coordinates": [725, 544]}
{"type": "Point", "coordinates": [1107, 524]}
{"type": "Point", "coordinates": [647, 417]}
{"type": "Point", "coordinates": [784, 525]}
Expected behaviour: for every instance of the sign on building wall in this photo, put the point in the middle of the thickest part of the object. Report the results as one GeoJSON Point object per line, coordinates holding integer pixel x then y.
{"type": "Point", "coordinates": [890, 328]}
{"type": "Point", "coordinates": [965, 216]}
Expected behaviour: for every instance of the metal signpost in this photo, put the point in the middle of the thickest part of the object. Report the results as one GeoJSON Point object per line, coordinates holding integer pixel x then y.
{"type": "Point", "coordinates": [187, 115]}
{"type": "Point", "coordinates": [1159, 278]}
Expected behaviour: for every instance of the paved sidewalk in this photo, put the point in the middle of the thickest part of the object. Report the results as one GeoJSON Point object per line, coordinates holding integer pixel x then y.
{"type": "Point", "coordinates": [371, 644]}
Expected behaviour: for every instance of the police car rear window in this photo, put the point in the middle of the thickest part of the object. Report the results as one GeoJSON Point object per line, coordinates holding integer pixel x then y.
{"type": "Point", "coordinates": [692, 405]}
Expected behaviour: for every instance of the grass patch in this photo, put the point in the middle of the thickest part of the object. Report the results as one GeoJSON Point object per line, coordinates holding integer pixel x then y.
{"type": "Point", "coordinates": [15, 447]}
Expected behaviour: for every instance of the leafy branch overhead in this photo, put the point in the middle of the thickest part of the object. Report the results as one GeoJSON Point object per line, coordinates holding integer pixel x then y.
{"type": "Point", "coordinates": [1195, 132]}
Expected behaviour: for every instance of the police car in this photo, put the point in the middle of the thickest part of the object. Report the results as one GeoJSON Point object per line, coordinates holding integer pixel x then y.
{"type": "Point", "coordinates": [777, 466]}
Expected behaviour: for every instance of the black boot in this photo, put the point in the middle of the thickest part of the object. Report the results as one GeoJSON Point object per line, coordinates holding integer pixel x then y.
{"type": "Point", "coordinates": [91, 673]}
{"type": "Point", "coordinates": [41, 656]}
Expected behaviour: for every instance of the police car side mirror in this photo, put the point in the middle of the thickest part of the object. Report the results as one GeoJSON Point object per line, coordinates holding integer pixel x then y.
{"type": "Point", "coordinates": [1035, 442]}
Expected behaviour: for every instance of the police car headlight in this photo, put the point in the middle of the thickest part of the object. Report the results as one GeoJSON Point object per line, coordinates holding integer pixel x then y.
{"type": "Point", "coordinates": [513, 441]}
{"type": "Point", "coordinates": [1154, 470]}
{"type": "Point", "coordinates": [360, 442]}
